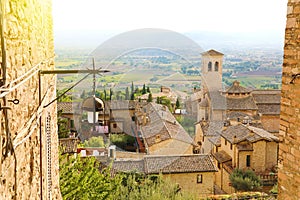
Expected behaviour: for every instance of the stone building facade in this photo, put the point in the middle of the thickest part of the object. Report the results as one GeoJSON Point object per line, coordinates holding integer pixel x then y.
{"type": "Point", "coordinates": [29, 153]}
{"type": "Point", "coordinates": [289, 148]}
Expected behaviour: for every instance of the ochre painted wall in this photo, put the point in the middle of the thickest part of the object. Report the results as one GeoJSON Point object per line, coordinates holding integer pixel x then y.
{"type": "Point", "coordinates": [188, 182]}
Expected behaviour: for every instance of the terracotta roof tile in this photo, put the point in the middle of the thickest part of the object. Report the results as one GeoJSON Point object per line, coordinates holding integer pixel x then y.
{"type": "Point", "coordinates": [179, 164]}
{"type": "Point", "coordinates": [67, 107]}
{"type": "Point", "coordinates": [212, 52]}
{"type": "Point", "coordinates": [216, 140]}
{"type": "Point", "coordinates": [235, 88]}
{"type": "Point", "coordinates": [128, 166]}
{"type": "Point", "coordinates": [238, 133]}
{"type": "Point", "coordinates": [246, 103]}
{"type": "Point", "coordinates": [212, 128]}
{"type": "Point", "coordinates": [222, 156]}
{"type": "Point", "coordinates": [163, 124]}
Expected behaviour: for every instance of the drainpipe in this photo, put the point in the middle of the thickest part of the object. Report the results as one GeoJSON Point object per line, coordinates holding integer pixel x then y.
{"type": "Point", "coordinates": [40, 131]}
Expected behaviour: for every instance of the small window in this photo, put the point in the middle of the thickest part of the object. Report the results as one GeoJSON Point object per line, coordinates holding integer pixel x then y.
{"type": "Point", "coordinates": [114, 125]}
{"type": "Point", "coordinates": [209, 66]}
{"type": "Point", "coordinates": [199, 178]}
{"type": "Point", "coordinates": [230, 146]}
{"type": "Point", "coordinates": [216, 66]}
{"type": "Point", "coordinates": [72, 123]}
{"type": "Point", "coordinates": [225, 142]}
{"type": "Point", "coordinates": [248, 161]}
{"type": "Point", "coordinates": [219, 165]}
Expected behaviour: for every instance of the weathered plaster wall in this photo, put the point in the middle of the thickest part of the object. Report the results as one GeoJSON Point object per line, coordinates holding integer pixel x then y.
{"type": "Point", "coordinates": [28, 40]}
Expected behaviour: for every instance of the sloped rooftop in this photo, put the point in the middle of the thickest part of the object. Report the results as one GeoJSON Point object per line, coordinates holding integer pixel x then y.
{"type": "Point", "coordinates": [238, 133]}
{"type": "Point", "coordinates": [163, 123]}
{"type": "Point", "coordinates": [212, 52]}
{"type": "Point", "coordinates": [235, 88]}
{"type": "Point", "coordinates": [179, 164]}
{"type": "Point", "coordinates": [246, 103]}
{"type": "Point", "coordinates": [212, 128]}
{"type": "Point", "coordinates": [222, 156]}
{"type": "Point", "coordinates": [167, 164]}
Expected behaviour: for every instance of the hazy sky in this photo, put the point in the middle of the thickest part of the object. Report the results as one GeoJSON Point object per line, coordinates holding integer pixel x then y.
{"type": "Point", "coordinates": [116, 16]}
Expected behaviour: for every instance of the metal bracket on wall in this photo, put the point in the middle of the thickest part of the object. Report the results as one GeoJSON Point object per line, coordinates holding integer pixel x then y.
{"type": "Point", "coordinates": [294, 76]}
{"type": "Point", "coordinates": [15, 101]}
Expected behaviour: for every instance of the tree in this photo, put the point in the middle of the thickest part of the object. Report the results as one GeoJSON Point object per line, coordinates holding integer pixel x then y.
{"type": "Point", "coordinates": [177, 103]}
{"type": "Point", "coordinates": [132, 96]}
{"type": "Point", "coordinates": [105, 95]}
{"type": "Point", "coordinates": [244, 180]}
{"type": "Point", "coordinates": [83, 95]}
{"type": "Point", "coordinates": [80, 178]}
{"type": "Point", "coordinates": [94, 142]}
{"type": "Point", "coordinates": [127, 94]}
{"type": "Point", "coordinates": [148, 89]}
{"type": "Point", "coordinates": [144, 91]}
{"type": "Point", "coordinates": [63, 128]}
{"type": "Point", "coordinates": [158, 100]}
{"type": "Point", "coordinates": [132, 88]}
{"type": "Point", "coordinates": [110, 94]}
{"type": "Point", "coordinates": [150, 99]}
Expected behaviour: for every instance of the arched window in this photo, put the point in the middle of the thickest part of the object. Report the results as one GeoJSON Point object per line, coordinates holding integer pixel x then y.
{"type": "Point", "coordinates": [209, 66]}
{"type": "Point", "coordinates": [216, 66]}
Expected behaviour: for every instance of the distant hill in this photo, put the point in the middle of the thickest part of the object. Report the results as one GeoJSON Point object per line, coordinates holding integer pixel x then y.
{"type": "Point", "coordinates": [136, 40]}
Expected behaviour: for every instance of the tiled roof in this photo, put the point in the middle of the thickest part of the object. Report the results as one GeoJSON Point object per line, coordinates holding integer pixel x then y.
{"type": "Point", "coordinates": [267, 96]}
{"type": "Point", "coordinates": [163, 123]}
{"type": "Point", "coordinates": [179, 164]}
{"type": "Point", "coordinates": [128, 166]}
{"type": "Point", "coordinates": [67, 107]}
{"type": "Point", "coordinates": [235, 115]}
{"type": "Point", "coordinates": [269, 109]}
{"type": "Point", "coordinates": [235, 88]}
{"type": "Point", "coordinates": [212, 128]}
{"type": "Point", "coordinates": [238, 133]}
{"type": "Point", "coordinates": [222, 156]}
{"type": "Point", "coordinates": [216, 140]}
{"type": "Point", "coordinates": [167, 164]}
{"type": "Point", "coordinates": [212, 52]}
{"type": "Point", "coordinates": [246, 103]}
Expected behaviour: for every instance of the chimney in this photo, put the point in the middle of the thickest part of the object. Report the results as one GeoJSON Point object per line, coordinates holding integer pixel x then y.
{"type": "Point", "coordinates": [112, 152]}
{"type": "Point", "coordinates": [251, 133]}
{"type": "Point", "coordinates": [144, 119]}
{"type": "Point", "coordinates": [234, 139]}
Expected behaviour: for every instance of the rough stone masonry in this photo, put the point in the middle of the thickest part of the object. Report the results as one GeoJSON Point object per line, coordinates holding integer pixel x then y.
{"type": "Point", "coordinates": [27, 47]}
{"type": "Point", "coordinates": [289, 148]}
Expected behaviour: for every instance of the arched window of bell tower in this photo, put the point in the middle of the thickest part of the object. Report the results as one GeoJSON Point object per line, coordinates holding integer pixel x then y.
{"type": "Point", "coordinates": [209, 66]}
{"type": "Point", "coordinates": [216, 66]}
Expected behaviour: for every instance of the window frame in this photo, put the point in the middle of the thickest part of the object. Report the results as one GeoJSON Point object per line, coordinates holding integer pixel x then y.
{"type": "Point", "coordinates": [199, 178]}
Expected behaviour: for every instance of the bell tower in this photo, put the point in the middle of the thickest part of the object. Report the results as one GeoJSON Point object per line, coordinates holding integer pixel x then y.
{"type": "Point", "coordinates": [212, 61]}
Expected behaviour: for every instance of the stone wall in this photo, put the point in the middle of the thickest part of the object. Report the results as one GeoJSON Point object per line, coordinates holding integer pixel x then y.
{"type": "Point", "coordinates": [188, 183]}
{"type": "Point", "coordinates": [289, 149]}
{"type": "Point", "coordinates": [27, 47]}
